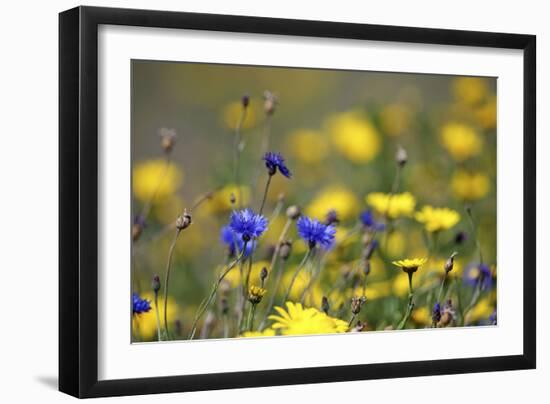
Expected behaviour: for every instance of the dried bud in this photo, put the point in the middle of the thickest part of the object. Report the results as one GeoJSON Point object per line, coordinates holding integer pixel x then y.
{"type": "Point", "coordinates": [232, 198]}
{"type": "Point", "coordinates": [325, 305]}
{"type": "Point", "coordinates": [137, 227]}
{"type": "Point", "coordinates": [224, 303]}
{"type": "Point", "coordinates": [183, 221]}
{"type": "Point", "coordinates": [359, 327]}
{"type": "Point", "coordinates": [450, 263]}
{"type": "Point", "coordinates": [448, 314]}
{"type": "Point", "coordinates": [263, 274]}
{"type": "Point", "coordinates": [461, 237]}
{"type": "Point", "coordinates": [245, 100]}
{"type": "Point", "coordinates": [285, 249]}
{"type": "Point", "coordinates": [270, 102]}
{"type": "Point", "coordinates": [255, 294]}
{"type": "Point", "coordinates": [357, 303]}
{"type": "Point", "coordinates": [401, 156]}
{"type": "Point", "coordinates": [332, 217]}
{"type": "Point", "coordinates": [293, 212]}
{"type": "Point", "coordinates": [167, 139]}
{"type": "Point", "coordinates": [156, 284]}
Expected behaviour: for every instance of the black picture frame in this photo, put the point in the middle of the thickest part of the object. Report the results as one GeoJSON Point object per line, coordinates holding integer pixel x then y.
{"type": "Point", "coordinates": [78, 200]}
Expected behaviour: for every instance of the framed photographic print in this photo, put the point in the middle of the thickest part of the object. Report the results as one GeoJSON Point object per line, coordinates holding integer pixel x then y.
{"type": "Point", "coordinates": [250, 201]}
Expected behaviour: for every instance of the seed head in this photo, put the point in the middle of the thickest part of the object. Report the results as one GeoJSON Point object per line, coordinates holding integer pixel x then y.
{"type": "Point", "coordinates": [293, 212]}
{"type": "Point", "coordinates": [450, 262]}
{"type": "Point", "coordinates": [356, 303]}
{"type": "Point", "coordinates": [167, 139]}
{"type": "Point", "coordinates": [270, 102]}
{"type": "Point", "coordinates": [401, 156]}
{"type": "Point", "coordinates": [183, 221]}
{"type": "Point", "coordinates": [156, 284]}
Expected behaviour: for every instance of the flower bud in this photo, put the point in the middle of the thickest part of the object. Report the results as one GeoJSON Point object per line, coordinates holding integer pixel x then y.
{"type": "Point", "coordinates": [293, 212]}
{"type": "Point", "coordinates": [232, 198]}
{"type": "Point", "coordinates": [450, 263]}
{"type": "Point", "coordinates": [137, 227]}
{"type": "Point", "coordinates": [270, 102]}
{"type": "Point", "coordinates": [285, 249]}
{"type": "Point", "coordinates": [366, 267]}
{"type": "Point", "coordinates": [325, 305]}
{"type": "Point", "coordinates": [332, 217]}
{"type": "Point", "coordinates": [357, 303]}
{"type": "Point", "coordinates": [401, 156]}
{"type": "Point", "coordinates": [224, 306]}
{"type": "Point", "coordinates": [263, 275]}
{"type": "Point", "coordinates": [436, 313]}
{"type": "Point", "coordinates": [245, 100]}
{"type": "Point", "coordinates": [156, 284]}
{"type": "Point", "coordinates": [183, 221]}
{"type": "Point", "coordinates": [167, 139]}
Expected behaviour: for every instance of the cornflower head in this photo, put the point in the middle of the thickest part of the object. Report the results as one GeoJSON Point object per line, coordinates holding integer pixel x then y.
{"type": "Point", "coordinates": [314, 232]}
{"type": "Point", "coordinates": [479, 274]}
{"type": "Point", "coordinates": [436, 313]}
{"type": "Point", "coordinates": [234, 242]}
{"type": "Point", "coordinates": [140, 305]}
{"type": "Point", "coordinates": [274, 162]}
{"type": "Point", "coordinates": [367, 219]}
{"type": "Point", "coordinates": [247, 224]}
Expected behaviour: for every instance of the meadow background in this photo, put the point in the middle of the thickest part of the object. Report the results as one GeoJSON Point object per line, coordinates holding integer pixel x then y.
{"type": "Point", "coordinates": [339, 132]}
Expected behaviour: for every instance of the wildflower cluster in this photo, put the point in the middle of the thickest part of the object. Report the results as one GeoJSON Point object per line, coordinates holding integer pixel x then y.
{"type": "Point", "coordinates": [330, 235]}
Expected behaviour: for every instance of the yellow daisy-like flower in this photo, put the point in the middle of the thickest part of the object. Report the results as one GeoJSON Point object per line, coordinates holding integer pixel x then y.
{"type": "Point", "coordinates": [395, 119]}
{"type": "Point", "coordinates": [461, 141]}
{"type": "Point", "coordinates": [410, 264]}
{"type": "Point", "coordinates": [255, 294]}
{"type": "Point", "coordinates": [268, 332]}
{"type": "Point", "coordinates": [232, 113]}
{"type": "Point", "coordinates": [155, 178]}
{"type": "Point", "coordinates": [337, 198]}
{"type": "Point", "coordinates": [354, 137]}
{"type": "Point", "coordinates": [437, 219]}
{"type": "Point", "coordinates": [470, 186]}
{"type": "Point", "coordinates": [470, 90]}
{"type": "Point", "coordinates": [298, 320]}
{"type": "Point", "coordinates": [308, 146]}
{"type": "Point", "coordinates": [145, 324]}
{"type": "Point", "coordinates": [393, 206]}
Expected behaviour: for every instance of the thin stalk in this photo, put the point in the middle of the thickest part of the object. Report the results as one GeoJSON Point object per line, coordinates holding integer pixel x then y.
{"type": "Point", "coordinates": [203, 306]}
{"type": "Point", "coordinates": [441, 288]}
{"type": "Point", "coordinates": [157, 315]}
{"type": "Point", "coordinates": [167, 280]}
{"type": "Point", "coordinates": [300, 266]}
{"type": "Point", "coordinates": [410, 304]}
{"type": "Point", "coordinates": [273, 294]}
{"type": "Point", "coordinates": [265, 193]}
{"type": "Point", "coordinates": [237, 154]}
{"type": "Point", "coordinates": [474, 232]}
{"type": "Point", "coordinates": [225, 326]}
{"type": "Point", "coordinates": [250, 322]}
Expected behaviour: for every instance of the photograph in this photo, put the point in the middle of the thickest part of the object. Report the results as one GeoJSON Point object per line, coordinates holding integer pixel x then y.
{"type": "Point", "coordinates": [274, 201]}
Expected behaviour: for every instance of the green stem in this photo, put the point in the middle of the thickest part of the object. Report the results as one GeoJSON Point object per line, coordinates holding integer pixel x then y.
{"type": "Point", "coordinates": [265, 193]}
{"type": "Point", "coordinates": [250, 322]}
{"type": "Point", "coordinates": [441, 288]}
{"type": "Point", "coordinates": [203, 306]}
{"type": "Point", "coordinates": [157, 314]}
{"type": "Point", "coordinates": [167, 280]}
{"type": "Point", "coordinates": [300, 266]}
{"type": "Point", "coordinates": [237, 155]}
{"type": "Point", "coordinates": [410, 304]}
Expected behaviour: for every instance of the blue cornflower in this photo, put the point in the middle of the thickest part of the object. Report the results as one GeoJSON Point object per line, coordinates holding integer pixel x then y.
{"type": "Point", "coordinates": [315, 232]}
{"type": "Point", "coordinates": [436, 313]}
{"type": "Point", "coordinates": [479, 274]}
{"type": "Point", "coordinates": [274, 161]}
{"type": "Point", "coordinates": [247, 223]}
{"type": "Point", "coordinates": [140, 305]}
{"type": "Point", "coordinates": [232, 240]}
{"type": "Point", "coordinates": [367, 218]}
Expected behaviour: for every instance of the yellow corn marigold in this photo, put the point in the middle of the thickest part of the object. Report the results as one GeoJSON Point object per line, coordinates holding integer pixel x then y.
{"type": "Point", "coordinates": [461, 141]}
{"type": "Point", "coordinates": [155, 179]}
{"type": "Point", "coordinates": [393, 206]}
{"type": "Point", "coordinates": [470, 186]}
{"type": "Point", "coordinates": [437, 219]}
{"type": "Point", "coordinates": [297, 320]}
